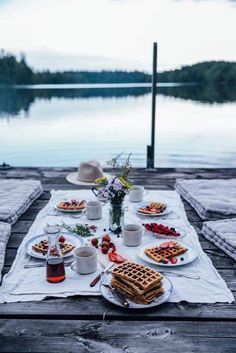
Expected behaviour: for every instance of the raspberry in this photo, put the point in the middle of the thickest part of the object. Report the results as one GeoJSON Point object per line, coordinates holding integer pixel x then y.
{"type": "Point", "coordinates": [62, 239]}
{"type": "Point", "coordinates": [113, 248]}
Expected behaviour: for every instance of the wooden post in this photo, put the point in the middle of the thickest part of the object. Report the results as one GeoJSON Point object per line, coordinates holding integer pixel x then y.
{"type": "Point", "coordinates": [151, 148]}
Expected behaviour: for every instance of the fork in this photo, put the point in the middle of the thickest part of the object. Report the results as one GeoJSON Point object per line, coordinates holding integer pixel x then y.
{"type": "Point", "coordinates": [180, 275]}
{"type": "Point", "coordinates": [120, 296]}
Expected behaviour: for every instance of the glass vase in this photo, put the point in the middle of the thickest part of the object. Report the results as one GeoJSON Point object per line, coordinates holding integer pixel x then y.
{"type": "Point", "coordinates": [116, 216]}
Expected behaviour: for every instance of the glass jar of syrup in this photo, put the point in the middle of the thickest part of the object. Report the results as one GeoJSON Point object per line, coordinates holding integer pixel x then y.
{"type": "Point", "coordinates": [55, 269]}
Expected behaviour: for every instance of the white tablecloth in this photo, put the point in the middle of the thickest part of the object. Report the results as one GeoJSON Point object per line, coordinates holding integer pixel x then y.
{"type": "Point", "coordinates": [22, 284]}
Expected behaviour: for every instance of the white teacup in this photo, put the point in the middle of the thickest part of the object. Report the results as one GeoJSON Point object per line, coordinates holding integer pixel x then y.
{"type": "Point", "coordinates": [137, 193]}
{"type": "Point", "coordinates": [85, 260]}
{"type": "Point", "coordinates": [132, 234]}
{"type": "Point", "coordinates": [93, 210]}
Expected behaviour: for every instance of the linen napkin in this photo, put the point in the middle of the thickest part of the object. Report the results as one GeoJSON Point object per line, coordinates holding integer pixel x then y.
{"type": "Point", "coordinates": [16, 196]}
{"type": "Point", "coordinates": [222, 233]}
{"type": "Point", "coordinates": [5, 231]}
{"type": "Point", "coordinates": [27, 284]}
{"type": "Point", "coordinates": [211, 199]}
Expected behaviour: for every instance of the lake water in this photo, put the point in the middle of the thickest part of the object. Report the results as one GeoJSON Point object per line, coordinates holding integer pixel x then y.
{"type": "Point", "coordinates": [61, 126]}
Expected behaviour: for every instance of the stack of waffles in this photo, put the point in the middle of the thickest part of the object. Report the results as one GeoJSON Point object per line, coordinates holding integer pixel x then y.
{"type": "Point", "coordinates": [138, 283]}
{"type": "Point", "coordinates": [164, 251]}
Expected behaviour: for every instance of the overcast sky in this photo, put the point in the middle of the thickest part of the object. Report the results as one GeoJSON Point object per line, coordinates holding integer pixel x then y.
{"type": "Point", "coordinates": [96, 34]}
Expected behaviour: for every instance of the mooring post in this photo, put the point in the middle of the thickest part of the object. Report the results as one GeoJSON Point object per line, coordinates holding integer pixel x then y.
{"type": "Point", "coordinates": [151, 148]}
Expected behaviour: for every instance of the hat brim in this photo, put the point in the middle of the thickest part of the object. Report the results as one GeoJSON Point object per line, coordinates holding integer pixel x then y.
{"type": "Point", "coordinates": [72, 178]}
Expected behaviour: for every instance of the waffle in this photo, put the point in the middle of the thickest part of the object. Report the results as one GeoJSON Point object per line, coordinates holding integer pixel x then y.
{"type": "Point", "coordinates": [129, 289]}
{"type": "Point", "coordinates": [153, 208]}
{"type": "Point", "coordinates": [161, 252]}
{"type": "Point", "coordinates": [146, 298]}
{"type": "Point", "coordinates": [42, 247]}
{"type": "Point", "coordinates": [137, 276]}
{"type": "Point", "coordinates": [138, 283]}
{"type": "Point", "coordinates": [73, 205]}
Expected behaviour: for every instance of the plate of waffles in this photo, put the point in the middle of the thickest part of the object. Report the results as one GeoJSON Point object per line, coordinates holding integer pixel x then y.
{"type": "Point", "coordinates": [153, 209]}
{"type": "Point", "coordinates": [168, 253]}
{"type": "Point", "coordinates": [141, 286]}
{"type": "Point", "coordinates": [38, 245]}
{"type": "Point", "coordinates": [72, 206]}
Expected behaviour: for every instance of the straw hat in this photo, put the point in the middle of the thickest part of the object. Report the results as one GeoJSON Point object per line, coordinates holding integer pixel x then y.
{"type": "Point", "coordinates": [87, 173]}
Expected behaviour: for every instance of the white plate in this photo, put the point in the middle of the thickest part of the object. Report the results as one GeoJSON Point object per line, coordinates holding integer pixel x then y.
{"type": "Point", "coordinates": [70, 238]}
{"type": "Point", "coordinates": [188, 256]}
{"type": "Point", "coordinates": [67, 211]}
{"type": "Point", "coordinates": [165, 212]}
{"type": "Point", "coordinates": [108, 295]}
{"type": "Point", "coordinates": [172, 237]}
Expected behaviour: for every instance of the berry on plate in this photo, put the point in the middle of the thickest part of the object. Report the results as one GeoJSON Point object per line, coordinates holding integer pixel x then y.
{"type": "Point", "coordinates": [94, 241]}
{"type": "Point", "coordinates": [106, 238]}
{"type": "Point", "coordinates": [62, 239]}
{"type": "Point", "coordinates": [105, 249]}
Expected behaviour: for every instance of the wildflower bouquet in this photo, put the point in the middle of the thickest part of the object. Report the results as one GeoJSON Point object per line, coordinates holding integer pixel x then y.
{"type": "Point", "coordinates": [113, 189]}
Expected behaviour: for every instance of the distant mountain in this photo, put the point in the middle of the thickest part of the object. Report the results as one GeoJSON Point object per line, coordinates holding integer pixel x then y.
{"type": "Point", "coordinates": [45, 59]}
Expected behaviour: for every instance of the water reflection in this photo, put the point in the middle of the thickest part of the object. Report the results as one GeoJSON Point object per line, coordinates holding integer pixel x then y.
{"type": "Point", "coordinates": [64, 127]}
{"type": "Point", "coordinates": [13, 101]}
{"type": "Point", "coordinates": [202, 93]}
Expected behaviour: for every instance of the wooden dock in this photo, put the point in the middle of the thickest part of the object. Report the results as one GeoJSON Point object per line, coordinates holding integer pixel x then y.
{"type": "Point", "coordinates": [90, 324]}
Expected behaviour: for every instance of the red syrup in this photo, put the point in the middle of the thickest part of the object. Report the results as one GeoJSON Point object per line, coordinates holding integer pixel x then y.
{"type": "Point", "coordinates": [55, 270]}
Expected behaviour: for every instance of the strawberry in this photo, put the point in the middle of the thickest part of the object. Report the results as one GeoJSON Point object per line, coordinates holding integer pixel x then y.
{"type": "Point", "coordinates": [106, 238]}
{"type": "Point", "coordinates": [119, 259]}
{"type": "Point", "coordinates": [94, 241]}
{"type": "Point", "coordinates": [62, 239]}
{"type": "Point", "coordinates": [105, 243]}
{"type": "Point", "coordinates": [105, 249]}
{"type": "Point", "coordinates": [173, 260]}
{"type": "Point", "coordinates": [112, 257]}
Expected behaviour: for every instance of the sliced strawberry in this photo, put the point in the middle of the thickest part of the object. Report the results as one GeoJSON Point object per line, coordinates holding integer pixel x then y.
{"type": "Point", "coordinates": [112, 256]}
{"type": "Point", "coordinates": [119, 259]}
{"type": "Point", "coordinates": [173, 260]}
{"type": "Point", "coordinates": [165, 245]}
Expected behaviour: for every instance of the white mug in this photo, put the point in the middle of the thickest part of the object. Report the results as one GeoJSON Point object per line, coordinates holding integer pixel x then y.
{"type": "Point", "coordinates": [85, 260]}
{"type": "Point", "coordinates": [93, 210]}
{"type": "Point", "coordinates": [137, 193]}
{"type": "Point", "coordinates": [132, 234]}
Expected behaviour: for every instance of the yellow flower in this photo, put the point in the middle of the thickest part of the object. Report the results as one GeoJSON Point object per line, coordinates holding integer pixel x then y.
{"type": "Point", "coordinates": [126, 184]}
{"type": "Point", "coordinates": [101, 181]}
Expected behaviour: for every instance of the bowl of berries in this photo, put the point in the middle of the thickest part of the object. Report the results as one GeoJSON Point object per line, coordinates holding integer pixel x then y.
{"type": "Point", "coordinates": [163, 231]}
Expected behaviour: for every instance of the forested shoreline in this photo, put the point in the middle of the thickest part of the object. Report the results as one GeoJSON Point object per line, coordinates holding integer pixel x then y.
{"type": "Point", "coordinates": [16, 71]}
